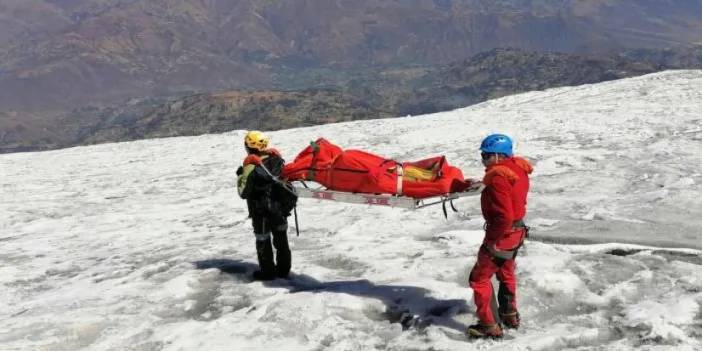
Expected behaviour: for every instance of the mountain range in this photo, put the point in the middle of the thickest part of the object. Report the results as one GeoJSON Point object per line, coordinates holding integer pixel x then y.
{"type": "Point", "coordinates": [372, 93]}
{"type": "Point", "coordinates": [67, 53]}
{"type": "Point", "coordinates": [62, 56]}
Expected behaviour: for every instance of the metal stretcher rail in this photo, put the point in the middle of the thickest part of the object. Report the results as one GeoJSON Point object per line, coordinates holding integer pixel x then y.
{"type": "Point", "coordinates": [320, 193]}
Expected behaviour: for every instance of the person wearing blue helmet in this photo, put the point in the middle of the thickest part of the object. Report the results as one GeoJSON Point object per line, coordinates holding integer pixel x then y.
{"type": "Point", "coordinates": [503, 205]}
{"type": "Point", "coordinates": [497, 144]}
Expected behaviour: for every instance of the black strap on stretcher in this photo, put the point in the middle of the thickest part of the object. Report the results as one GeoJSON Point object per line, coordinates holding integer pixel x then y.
{"type": "Point", "coordinates": [443, 207]}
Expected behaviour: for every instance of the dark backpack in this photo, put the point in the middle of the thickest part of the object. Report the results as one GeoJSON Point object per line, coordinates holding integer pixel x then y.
{"type": "Point", "coordinates": [285, 196]}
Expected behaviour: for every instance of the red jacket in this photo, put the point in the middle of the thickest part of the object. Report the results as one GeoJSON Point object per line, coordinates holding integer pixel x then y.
{"type": "Point", "coordinates": [503, 201]}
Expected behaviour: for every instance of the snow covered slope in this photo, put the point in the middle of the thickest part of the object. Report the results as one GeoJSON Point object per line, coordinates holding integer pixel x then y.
{"type": "Point", "coordinates": [145, 245]}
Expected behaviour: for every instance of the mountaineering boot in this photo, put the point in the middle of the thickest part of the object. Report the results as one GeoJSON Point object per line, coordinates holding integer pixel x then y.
{"type": "Point", "coordinates": [510, 320]}
{"type": "Point", "coordinates": [282, 270]}
{"type": "Point", "coordinates": [260, 275]}
{"type": "Point", "coordinates": [484, 331]}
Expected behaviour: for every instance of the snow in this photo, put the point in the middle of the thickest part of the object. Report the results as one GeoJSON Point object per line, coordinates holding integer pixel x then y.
{"type": "Point", "coordinates": [145, 246]}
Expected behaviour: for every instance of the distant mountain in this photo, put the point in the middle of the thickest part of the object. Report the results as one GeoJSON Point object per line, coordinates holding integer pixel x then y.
{"type": "Point", "coordinates": [684, 58]}
{"type": "Point", "coordinates": [366, 94]}
{"type": "Point", "coordinates": [192, 115]}
{"type": "Point", "coordinates": [229, 110]}
{"type": "Point", "coordinates": [63, 54]}
{"type": "Point", "coordinates": [502, 72]}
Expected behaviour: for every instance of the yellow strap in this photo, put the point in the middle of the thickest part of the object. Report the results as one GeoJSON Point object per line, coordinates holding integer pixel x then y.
{"type": "Point", "coordinates": [419, 174]}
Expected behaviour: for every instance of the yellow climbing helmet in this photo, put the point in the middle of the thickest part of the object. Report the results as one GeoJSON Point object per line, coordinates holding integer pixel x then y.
{"type": "Point", "coordinates": [256, 140]}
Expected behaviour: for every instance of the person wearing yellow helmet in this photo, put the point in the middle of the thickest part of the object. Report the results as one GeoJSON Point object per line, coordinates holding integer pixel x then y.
{"type": "Point", "coordinates": [255, 141]}
{"type": "Point", "coordinates": [258, 183]}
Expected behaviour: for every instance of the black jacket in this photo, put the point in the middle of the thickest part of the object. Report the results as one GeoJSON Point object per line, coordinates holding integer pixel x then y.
{"type": "Point", "coordinates": [260, 190]}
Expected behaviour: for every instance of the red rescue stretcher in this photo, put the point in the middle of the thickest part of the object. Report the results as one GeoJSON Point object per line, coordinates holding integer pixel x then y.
{"type": "Point", "coordinates": [355, 176]}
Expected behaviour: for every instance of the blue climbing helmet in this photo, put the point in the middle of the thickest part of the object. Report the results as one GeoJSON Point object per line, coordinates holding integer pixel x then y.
{"type": "Point", "coordinates": [497, 143]}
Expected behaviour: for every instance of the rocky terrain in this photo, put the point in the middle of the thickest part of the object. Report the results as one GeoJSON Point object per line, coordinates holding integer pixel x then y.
{"type": "Point", "coordinates": [58, 54]}
{"type": "Point", "coordinates": [69, 68]}
{"type": "Point", "coordinates": [398, 91]}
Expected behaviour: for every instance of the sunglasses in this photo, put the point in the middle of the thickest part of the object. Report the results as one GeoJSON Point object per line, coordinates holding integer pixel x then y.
{"type": "Point", "coordinates": [485, 156]}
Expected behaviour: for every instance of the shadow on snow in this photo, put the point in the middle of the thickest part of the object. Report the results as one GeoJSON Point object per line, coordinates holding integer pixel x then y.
{"type": "Point", "coordinates": [408, 305]}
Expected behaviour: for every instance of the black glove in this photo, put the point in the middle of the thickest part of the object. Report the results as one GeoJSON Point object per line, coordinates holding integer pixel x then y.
{"type": "Point", "coordinates": [239, 170]}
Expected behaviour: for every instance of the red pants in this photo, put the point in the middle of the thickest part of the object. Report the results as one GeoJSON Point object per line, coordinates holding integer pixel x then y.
{"type": "Point", "coordinates": [480, 282]}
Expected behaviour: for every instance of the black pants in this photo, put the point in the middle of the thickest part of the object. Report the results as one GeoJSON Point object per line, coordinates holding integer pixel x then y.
{"type": "Point", "coordinates": [264, 227]}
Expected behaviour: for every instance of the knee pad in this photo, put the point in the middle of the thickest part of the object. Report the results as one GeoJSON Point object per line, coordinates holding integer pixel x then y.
{"type": "Point", "coordinates": [263, 237]}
